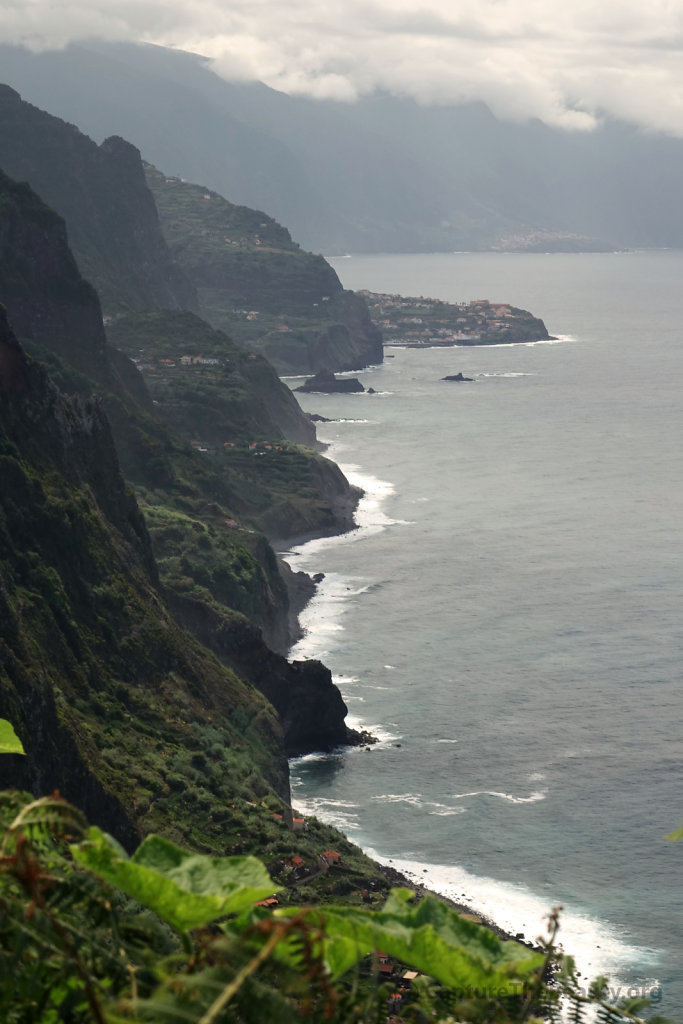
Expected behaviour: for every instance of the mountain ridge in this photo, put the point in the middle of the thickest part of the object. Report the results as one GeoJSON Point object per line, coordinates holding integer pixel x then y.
{"type": "Point", "coordinates": [381, 175]}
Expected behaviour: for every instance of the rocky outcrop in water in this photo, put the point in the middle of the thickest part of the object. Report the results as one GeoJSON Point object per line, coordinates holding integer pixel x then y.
{"type": "Point", "coordinates": [326, 382]}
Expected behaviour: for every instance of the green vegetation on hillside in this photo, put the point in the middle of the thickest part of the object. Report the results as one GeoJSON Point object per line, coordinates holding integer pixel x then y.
{"type": "Point", "coordinates": [204, 384]}
{"type": "Point", "coordinates": [89, 934]}
{"type": "Point", "coordinates": [261, 287]}
{"type": "Point", "coordinates": [234, 411]}
{"type": "Point", "coordinates": [94, 671]}
{"type": "Point", "coordinates": [93, 654]}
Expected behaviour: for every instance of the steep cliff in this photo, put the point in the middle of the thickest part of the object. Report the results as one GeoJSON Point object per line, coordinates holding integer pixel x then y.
{"type": "Point", "coordinates": [188, 502]}
{"type": "Point", "coordinates": [111, 214]}
{"type": "Point", "coordinates": [346, 340]}
{"type": "Point", "coordinates": [309, 705]}
{"type": "Point", "coordinates": [205, 385]}
{"type": "Point", "coordinates": [100, 192]}
{"type": "Point", "coordinates": [256, 283]}
{"type": "Point", "coordinates": [45, 295]}
{"type": "Point", "coordinates": [109, 696]}
{"type": "Point", "coordinates": [59, 314]}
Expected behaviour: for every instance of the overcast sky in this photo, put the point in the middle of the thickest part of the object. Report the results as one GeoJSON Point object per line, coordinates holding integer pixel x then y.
{"type": "Point", "coordinates": [564, 61]}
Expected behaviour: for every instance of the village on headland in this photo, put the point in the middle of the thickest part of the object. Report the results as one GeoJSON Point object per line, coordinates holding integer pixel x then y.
{"type": "Point", "coordinates": [417, 322]}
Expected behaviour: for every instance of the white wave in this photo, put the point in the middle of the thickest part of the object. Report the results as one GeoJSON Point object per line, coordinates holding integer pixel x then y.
{"type": "Point", "coordinates": [415, 800]}
{"type": "Point", "coordinates": [322, 617]}
{"type": "Point", "coordinates": [534, 798]}
{"type": "Point", "coordinates": [381, 730]}
{"type": "Point", "coordinates": [342, 816]}
{"type": "Point", "coordinates": [559, 339]}
{"type": "Point", "coordinates": [448, 741]}
{"type": "Point", "coordinates": [598, 947]}
{"type": "Point", "coordinates": [321, 620]}
{"type": "Point", "coordinates": [307, 759]}
{"type": "Point", "coordinates": [342, 680]}
{"type": "Point", "coordinates": [510, 374]}
{"type": "Point", "coordinates": [371, 368]}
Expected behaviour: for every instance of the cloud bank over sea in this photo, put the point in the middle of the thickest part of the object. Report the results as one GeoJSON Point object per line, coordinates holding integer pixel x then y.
{"type": "Point", "coordinates": [566, 64]}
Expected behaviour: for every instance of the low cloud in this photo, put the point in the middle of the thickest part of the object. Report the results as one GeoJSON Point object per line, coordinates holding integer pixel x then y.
{"type": "Point", "coordinates": [566, 64]}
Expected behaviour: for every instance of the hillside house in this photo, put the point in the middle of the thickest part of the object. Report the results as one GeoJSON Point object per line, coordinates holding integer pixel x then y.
{"type": "Point", "coordinates": [270, 902]}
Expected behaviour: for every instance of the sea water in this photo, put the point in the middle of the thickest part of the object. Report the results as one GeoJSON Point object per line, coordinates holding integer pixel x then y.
{"type": "Point", "coordinates": [508, 617]}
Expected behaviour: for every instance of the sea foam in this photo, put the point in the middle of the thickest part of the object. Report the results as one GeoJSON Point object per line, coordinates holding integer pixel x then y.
{"type": "Point", "coordinates": [598, 948]}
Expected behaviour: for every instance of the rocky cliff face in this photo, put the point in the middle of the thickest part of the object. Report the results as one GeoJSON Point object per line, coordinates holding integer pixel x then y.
{"type": "Point", "coordinates": [257, 284]}
{"type": "Point", "coordinates": [45, 295]}
{"type": "Point", "coordinates": [348, 340]}
{"type": "Point", "coordinates": [309, 705]}
{"type": "Point", "coordinates": [106, 692]}
{"type": "Point", "coordinates": [130, 716]}
{"type": "Point", "coordinates": [100, 192]}
{"type": "Point", "coordinates": [238, 397]}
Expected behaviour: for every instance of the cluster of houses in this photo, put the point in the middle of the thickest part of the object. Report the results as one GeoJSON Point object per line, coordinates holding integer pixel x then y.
{"type": "Point", "coordinates": [398, 975]}
{"type": "Point", "coordinates": [381, 963]}
{"type": "Point", "coordinates": [419, 321]}
{"type": "Point", "coordinates": [255, 447]}
{"type": "Point", "coordinates": [147, 366]}
{"type": "Point", "coordinates": [300, 868]}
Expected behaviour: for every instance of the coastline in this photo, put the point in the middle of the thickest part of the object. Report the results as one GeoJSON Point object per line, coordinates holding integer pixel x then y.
{"type": "Point", "coordinates": [303, 588]}
{"type": "Point", "coordinates": [510, 914]}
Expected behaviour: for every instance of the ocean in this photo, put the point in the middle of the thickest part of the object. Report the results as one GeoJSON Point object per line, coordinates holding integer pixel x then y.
{"type": "Point", "coordinates": [507, 618]}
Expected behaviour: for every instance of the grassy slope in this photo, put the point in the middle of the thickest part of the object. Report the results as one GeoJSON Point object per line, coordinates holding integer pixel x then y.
{"type": "Point", "coordinates": [279, 487]}
{"type": "Point", "coordinates": [256, 283]}
{"type": "Point", "coordinates": [117, 706]}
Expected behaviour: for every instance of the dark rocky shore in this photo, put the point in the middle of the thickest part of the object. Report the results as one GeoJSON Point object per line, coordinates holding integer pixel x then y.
{"type": "Point", "coordinates": [326, 383]}
{"type": "Point", "coordinates": [302, 589]}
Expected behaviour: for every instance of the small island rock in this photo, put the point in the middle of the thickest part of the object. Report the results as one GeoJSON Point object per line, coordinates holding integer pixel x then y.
{"type": "Point", "coordinates": [326, 381]}
{"type": "Point", "coordinates": [458, 377]}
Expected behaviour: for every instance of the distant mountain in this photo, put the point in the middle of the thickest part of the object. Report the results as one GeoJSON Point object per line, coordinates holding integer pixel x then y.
{"type": "Point", "coordinates": [384, 174]}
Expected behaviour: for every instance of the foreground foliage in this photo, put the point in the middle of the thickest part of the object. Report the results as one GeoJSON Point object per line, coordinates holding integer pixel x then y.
{"type": "Point", "coordinates": [89, 934]}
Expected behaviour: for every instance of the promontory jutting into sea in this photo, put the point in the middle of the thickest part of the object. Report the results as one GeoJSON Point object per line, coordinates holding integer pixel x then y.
{"type": "Point", "coordinates": [507, 617]}
{"type": "Point", "coordinates": [341, 563]}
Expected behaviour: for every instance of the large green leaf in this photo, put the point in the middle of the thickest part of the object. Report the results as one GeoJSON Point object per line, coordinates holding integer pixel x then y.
{"type": "Point", "coordinates": [185, 889]}
{"type": "Point", "coordinates": [429, 936]}
{"type": "Point", "coordinates": [9, 741]}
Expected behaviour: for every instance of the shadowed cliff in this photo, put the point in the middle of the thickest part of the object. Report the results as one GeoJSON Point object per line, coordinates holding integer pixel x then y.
{"type": "Point", "coordinates": [101, 193]}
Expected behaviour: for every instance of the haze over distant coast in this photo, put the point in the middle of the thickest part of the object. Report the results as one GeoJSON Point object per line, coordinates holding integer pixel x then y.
{"type": "Point", "coordinates": [385, 173]}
